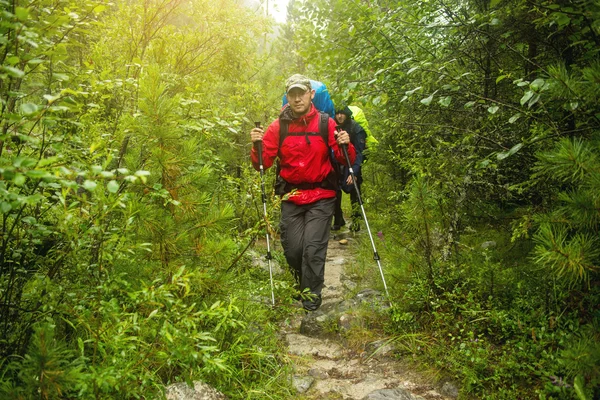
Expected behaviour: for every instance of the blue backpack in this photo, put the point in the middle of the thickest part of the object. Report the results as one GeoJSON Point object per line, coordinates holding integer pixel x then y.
{"type": "Point", "coordinates": [322, 99]}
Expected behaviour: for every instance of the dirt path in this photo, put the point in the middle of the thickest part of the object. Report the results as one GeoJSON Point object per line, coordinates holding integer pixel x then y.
{"type": "Point", "coordinates": [326, 367]}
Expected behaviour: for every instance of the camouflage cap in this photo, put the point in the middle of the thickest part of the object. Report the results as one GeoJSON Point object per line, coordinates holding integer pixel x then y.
{"type": "Point", "coordinates": [297, 81]}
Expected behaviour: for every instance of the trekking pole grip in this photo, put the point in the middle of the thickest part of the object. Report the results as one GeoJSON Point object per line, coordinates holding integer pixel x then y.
{"type": "Point", "coordinates": [344, 147]}
{"type": "Point", "coordinates": [259, 148]}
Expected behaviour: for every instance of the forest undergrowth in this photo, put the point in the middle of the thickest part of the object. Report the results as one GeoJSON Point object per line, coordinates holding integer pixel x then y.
{"type": "Point", "coordinates": [128, 203]}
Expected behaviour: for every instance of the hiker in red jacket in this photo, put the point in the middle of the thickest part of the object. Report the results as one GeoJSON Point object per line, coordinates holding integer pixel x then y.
{"type": "Point", "coordinates": [306, 181]}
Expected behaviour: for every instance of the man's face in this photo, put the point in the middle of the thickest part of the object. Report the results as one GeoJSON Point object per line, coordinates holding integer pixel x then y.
{"type": "Point", "coordinates": [299, 100]}
{"type": "Point", "coordinates": [340, 118]}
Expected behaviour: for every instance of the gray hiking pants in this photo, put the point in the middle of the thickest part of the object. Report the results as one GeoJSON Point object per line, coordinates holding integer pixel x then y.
{"type": "Point", "coordinates": [304, 237]}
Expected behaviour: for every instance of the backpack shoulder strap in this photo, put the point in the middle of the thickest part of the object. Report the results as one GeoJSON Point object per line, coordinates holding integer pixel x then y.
{"type": "Point", "coordinates": [283, 131]}
{"type": "Point", "coordinates": [353, 132]}
{"type": "Point", "coordinates": [323, 127]}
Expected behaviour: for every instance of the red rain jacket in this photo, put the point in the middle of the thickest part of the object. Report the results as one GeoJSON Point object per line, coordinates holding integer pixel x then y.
{"type": "Point", "coordinates": [301, 161]}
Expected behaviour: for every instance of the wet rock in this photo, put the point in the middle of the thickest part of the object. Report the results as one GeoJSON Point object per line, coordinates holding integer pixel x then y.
{"type": "Point", "coordinates": [449, 389]}
{"type": "Point", "coordinates": [313, 324]}
{"type": "Point", "coordinates": [374, 298]}
{"type": "Point", "coordinates": [200, 391]}
{"type": "Point", "coordinates": [345, 322]}
{"type": "Point", "coordinates": [337, 261]}
{"type": "Point", "coordinates": [302, 383]}
{"type": "Point", "coordinates": [381, 348]}
{"type": "Point", "coordinates": [432, 394]}
{"type": "Point", "coordinates": [318, 373]}
{"type": "Point", "coordinates": [306, 346]}
{"type": "Point", "coordinates": [392, 394]}
{"type": "Point", "coordinates": [368, 294]}
{"type": "Point", "coordinates": [349, 285]}
{"type": "Point", "coordinates": [347, 305]}
{"type": "Point", "coordinates": [349, 282]}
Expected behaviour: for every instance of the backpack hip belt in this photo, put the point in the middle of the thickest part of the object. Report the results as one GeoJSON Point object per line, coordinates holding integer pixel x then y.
{"type": "Point", "coordinates": [283, 187]}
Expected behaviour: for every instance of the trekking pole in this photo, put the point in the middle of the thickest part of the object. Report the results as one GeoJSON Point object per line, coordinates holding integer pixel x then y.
{"type": "Point", "coordinates": [264, 201]}
{"type": "Point", "coordinates": [360, 202]}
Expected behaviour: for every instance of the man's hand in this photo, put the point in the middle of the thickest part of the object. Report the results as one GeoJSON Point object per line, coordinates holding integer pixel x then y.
{"type": "Point", "coordinates": [256, 135]}
{"type": "Point", "coordinates": [349, 180]}
{"type": "Point", "coordinates": [342, 138]}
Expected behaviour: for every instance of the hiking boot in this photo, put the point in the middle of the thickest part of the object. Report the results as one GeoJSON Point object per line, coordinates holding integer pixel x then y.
{"type": "Point", "coordinates": [337, 226]}
{"type": "Point", "coordinates": [312, 304]}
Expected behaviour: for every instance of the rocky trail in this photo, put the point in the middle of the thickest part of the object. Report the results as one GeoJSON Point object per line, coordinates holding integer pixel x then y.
{"type": "Point", "coordinates": [335, 355]}
{"type": "Point", "coordinates": [328, 366]}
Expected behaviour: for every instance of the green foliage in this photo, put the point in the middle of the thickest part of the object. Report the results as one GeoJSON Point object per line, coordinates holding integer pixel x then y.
{"type": "Point", "coordinates": [567, 237]}
{"type": "Point", "coordinates": [49, 369]}
{"type": "Point", "coordinates": [139, 336]}
{"type": "Point", "coordinates": [573, 256]}
{"type": "Point", "coordinates": [124, 155]}
{"type": "Point", "coordinates": [581, 358]}
{"type": "Point", "coordinates": [483, 124]}
{"type": "Point", "coordinates": [119, 133]}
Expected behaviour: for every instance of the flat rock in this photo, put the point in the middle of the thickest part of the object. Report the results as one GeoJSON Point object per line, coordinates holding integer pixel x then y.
{"type": "Point", "coordinates": [392, 394]}
{"type": "Point", "coordinates": [302, 383]}
{"type": "Point", "coordinates": [301, 345]}
{"type": "Point", "coordinates": [200, 391]}
{"type": "Point", "coordinates": [449, 389]}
